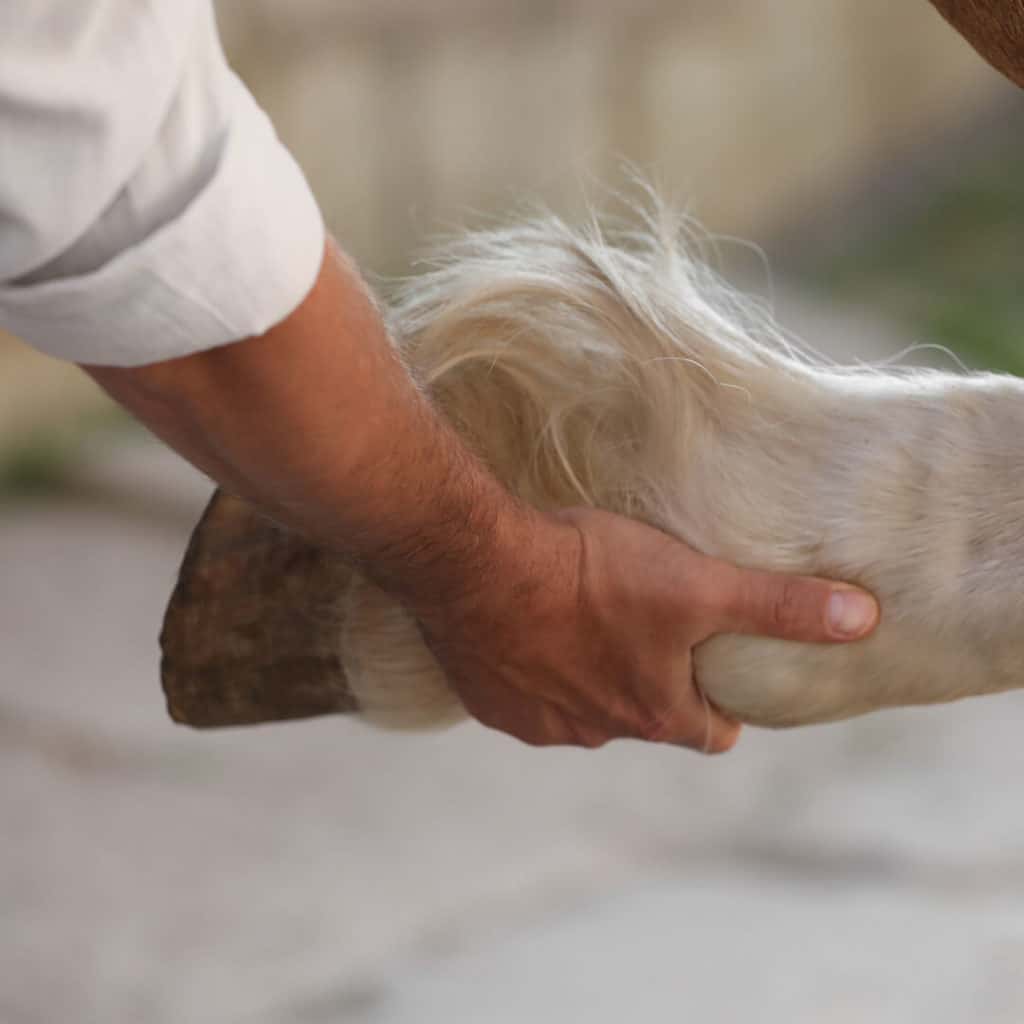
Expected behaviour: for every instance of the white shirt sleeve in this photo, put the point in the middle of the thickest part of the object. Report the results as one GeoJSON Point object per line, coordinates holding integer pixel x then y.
{"type": "Point", "coordinates": [147, 209]}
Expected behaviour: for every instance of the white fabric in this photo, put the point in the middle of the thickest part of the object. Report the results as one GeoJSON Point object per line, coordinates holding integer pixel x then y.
{"type": "Point", "coordinates": [147, 209]}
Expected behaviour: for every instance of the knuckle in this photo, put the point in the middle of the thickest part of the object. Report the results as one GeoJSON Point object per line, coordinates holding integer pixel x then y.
{"type": "Point", "coordinates": [585, 736]}
{"type": "Point", "coordinates": [558, 730]}
{"type": "Point", "coordinates": [786, 606]}
{"type": "Point", "coordinates": [658, 730]}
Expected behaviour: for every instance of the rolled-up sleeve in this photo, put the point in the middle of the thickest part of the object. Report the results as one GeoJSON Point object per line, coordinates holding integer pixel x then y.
{"type": "Point", "coordinates": [147, 208]}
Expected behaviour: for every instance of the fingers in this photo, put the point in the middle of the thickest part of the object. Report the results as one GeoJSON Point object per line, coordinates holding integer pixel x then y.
{"type": "Point", "coordinates": [801, 608]}
{"type": "Point", "coordinates": [537, 723]}
{"type": "Point", "coordinates": [692, 721]}
{"type": "Point", "coordinates": [695, 723]}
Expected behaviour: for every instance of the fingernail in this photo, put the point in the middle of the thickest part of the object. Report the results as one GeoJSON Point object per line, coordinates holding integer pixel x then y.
{"type": "Point", "coordinates": [850, 612]}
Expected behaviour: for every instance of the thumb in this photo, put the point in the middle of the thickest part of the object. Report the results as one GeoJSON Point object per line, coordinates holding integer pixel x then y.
{"type": "Point", "coordinates": [802, 608]}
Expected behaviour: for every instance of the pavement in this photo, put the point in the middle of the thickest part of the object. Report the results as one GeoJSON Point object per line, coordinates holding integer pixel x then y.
{"type": "Point", "coordinates": [321, 872]}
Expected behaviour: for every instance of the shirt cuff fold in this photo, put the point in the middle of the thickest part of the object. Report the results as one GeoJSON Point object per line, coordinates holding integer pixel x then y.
{"type": "Point", "coordinates": [238, 260]}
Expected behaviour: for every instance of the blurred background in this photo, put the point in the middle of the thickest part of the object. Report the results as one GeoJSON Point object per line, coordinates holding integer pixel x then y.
{"type": "Point", "coordinates": [320, 872]}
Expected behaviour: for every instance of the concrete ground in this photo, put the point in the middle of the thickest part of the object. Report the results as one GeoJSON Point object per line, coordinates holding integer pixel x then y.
{"type": "Point", "coordinates": [322, 872]}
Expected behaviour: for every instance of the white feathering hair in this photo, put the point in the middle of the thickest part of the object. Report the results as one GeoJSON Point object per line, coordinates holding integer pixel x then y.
{"type": "Point", "coordinates": [618, 371]}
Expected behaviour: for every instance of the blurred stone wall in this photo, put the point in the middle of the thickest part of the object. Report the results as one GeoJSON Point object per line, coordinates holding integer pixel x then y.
{"type": "Point", "coordinates": [37, 393]}
{"type": "Point", "coordinates": [410, 115]}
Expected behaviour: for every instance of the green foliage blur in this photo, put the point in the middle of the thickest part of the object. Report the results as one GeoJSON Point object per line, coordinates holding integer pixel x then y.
{"type": "Point", "coordinates": [952, 272]}
{"type": "Point", "coordinates": [40, 463]}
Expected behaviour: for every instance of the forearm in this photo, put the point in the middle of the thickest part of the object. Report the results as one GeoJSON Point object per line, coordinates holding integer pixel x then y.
{"type": "Point", "coordinates": [319, 423]}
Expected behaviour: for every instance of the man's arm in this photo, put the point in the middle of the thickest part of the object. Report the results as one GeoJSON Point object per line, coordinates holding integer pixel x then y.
{"type": "Point", "coordinates": [318, 422]}
{"type": "Point", "coordinates": [568, 629]}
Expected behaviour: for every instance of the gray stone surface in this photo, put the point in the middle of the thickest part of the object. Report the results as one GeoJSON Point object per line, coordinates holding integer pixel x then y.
{"type": "Point", "coordinates": [323, 872]}
{"type": "Point", "coordinates": [730, 945]}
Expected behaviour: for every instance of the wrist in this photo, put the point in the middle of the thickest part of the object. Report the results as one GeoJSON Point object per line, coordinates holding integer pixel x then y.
{"type": "Point", "coordinates": [458, 550]}
{"type": "Point", "coordinates": [525, 558]}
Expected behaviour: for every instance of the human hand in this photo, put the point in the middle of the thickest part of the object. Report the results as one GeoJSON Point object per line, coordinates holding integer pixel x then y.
{"type": "Point", "coordinates": [585, 630]}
